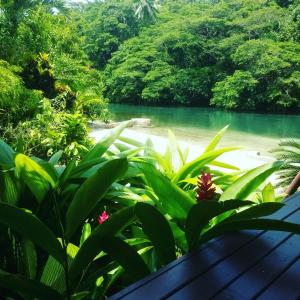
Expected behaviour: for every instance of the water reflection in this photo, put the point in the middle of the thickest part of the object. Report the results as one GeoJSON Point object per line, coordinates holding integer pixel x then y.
{"type": "Point", "coordinates": [268, 125]}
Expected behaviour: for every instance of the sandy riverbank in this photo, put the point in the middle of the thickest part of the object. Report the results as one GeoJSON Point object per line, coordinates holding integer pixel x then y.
{"type": "Point", "coordinates": [244, 159]}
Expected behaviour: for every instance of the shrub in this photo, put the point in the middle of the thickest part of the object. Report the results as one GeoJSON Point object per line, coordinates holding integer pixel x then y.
{"type": "Point", "coordinates": [80, 222]}
{"type": "Point", "coordinates": [16, 101]}
{"type": "Point", "coordinates": [50, 132]}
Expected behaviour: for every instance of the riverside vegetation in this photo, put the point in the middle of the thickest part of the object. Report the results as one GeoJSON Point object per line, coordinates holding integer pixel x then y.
{"type": "Point", "coordinates": [63, 61]}
{"type": "Point", "coordinates": [84, 230]}
{"type": "Point", "coordinates": [80, 220]}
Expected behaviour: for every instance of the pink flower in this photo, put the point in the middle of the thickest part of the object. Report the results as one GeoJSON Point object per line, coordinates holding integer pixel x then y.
{"type": "Point", "coordinates": [103, 217]}
{"type": "Point", "coordinates": [205, 191]}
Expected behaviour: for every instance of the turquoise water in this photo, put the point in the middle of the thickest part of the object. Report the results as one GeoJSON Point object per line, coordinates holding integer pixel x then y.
{"type": "Point", "coordinates": [259, 132]}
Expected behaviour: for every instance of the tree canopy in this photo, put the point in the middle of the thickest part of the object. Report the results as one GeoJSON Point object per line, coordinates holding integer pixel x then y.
{"type": "Point", "coordinates": [234, 54]}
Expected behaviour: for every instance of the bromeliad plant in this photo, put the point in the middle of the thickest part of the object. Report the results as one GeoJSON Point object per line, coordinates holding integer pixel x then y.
{"type": "Point", "coordinates": [83, 230]}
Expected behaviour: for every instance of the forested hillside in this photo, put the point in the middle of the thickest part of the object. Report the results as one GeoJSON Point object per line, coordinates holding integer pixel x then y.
{"type": "Point", "coordinates": [81, 219]}
{"type": "Point", "coordinates": [234, 54]}
{"type": "Point", "coordinates": [61, 62]}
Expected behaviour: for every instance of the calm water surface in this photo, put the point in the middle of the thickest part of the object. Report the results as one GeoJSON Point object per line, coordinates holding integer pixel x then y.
{"type": "Point", "coordinates": [259, 132]}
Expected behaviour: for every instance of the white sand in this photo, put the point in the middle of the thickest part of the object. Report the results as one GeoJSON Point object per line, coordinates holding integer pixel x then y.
{"type": "Point", "coordinates": [243, 159]}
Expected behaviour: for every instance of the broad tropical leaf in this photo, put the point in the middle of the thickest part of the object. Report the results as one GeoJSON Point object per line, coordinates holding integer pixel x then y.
{"type": "Point", "coordinates": [54, 274]}
{"type": "Point", "coordinates": [10, 187]}
{"type": "Point", "coordinates": [93, 244]}
{"type": "Point", "coordinates": [255, 211]}
{"type": "Point", "coordinates": [126, 256]}
{"type": "Point", "coordinates": [252, 224]}
{"type": "Point", "coordinates": [6, 155]}
{"type": "Point", "coordinates": [201, 213]}
{"type": "Point", "coordinates": [157, 228]}
{"type": "Point", "coordinates": [198, 163]}
{"type": "Point", "coordinates": [249, 182]}
{"type": "Point", "coordinates": [29, 258]}
{"type": "Point", "coordinates": [215, 141]}
{"type": "Point", "coordinates": [102, 146]}
{"type": "Point", "coordinates": [28, 287]}
{"type": "Point", "coordinates": [29, 226]}
{"type": "Point", "coordinates": [86, 232]}
{"type": "Point", "coordinates": [91, 191]}
{"type": "Point", "coordinates": [54, 159]}
{"type": "Point", "coordinates": [268, 193]}
{"type": "Point", "coordinates": [174, 201]}
{"type": "Point", "coordinates": [36, 178]}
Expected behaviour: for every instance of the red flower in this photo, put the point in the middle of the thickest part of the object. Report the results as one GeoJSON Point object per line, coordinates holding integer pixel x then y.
{"type": "Point", "coordinates": [103, 217]}
{"type": "Point", "coordinates": [205, 191]}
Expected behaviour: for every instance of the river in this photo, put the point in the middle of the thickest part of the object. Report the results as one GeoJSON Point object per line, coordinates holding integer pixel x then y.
{"type": "Point", "coordinates": [254, 132]}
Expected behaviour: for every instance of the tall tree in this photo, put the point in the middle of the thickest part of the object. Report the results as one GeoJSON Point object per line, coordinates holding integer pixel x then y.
{"type": "Point", "coordinates": [146, 9]}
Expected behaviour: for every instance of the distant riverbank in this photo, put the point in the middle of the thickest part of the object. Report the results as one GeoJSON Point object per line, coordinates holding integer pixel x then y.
{"type": "Point", "coordinates": [194, 125]}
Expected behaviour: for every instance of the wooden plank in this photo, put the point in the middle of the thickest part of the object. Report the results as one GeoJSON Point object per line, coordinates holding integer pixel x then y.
{"type": "Point", "coordinates": [294, 199]}
{"type": "Point", "coordinates": [158, 273]}
{"type": "Point", "coordinates": [177, 275]}
{"type": "Point", "coordinates": [183, 272]}
{"type": "Point", "coordinates": [260, 276]}
{"type": "Point", "coordinates": [287, 284]}
{"type": "Point", "coordinates": [213, 281]}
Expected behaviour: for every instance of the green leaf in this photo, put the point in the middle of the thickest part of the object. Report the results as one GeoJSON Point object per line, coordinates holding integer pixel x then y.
{"type": "Point", "coordinates": [67, 172]}
{"type": "Point", "coordinates": [54, 274]}
{"type": "Point", "coordinates": [175, 201]}
{"type": "Point", "coordinates": [29, 258]}
{"type": "Point", "coordinates": [93, 245]}
{"type": "Point", "coordinates": [35, 177]}
{"type": "Point", "coordinates": [157, 228]}
{"type": "Point", "coordinates": [32, 288]}
{"type": "Point", "coordinates": [81, 296]}
{"type": "Point", "coordinates": [91, 191]}
{"type": "Point", "coordinates": [102, 146]}
{"type": "Point", "coordinates": [86, 232]}
{"type": "Point", "coordinates": [201, 213]}
{"type": "Point", "coordinates": [54, 159]}
{"type": "Point", "coordinates": [252, 224]}
{"type": "Point", "coordinates": [215, 141]}
{"type": "Point", "coordinates": [6, 155]}
{"type": "Point", "coordinates": [130, 153]}
{"type": "Point", "coordinates": [29, 226]}
{"type": "Point", "coordinates": [179, 236]}
{"type": "Point", "coordinates": [249, 182]}
{"type": "Point", "coordinates": [122, 147]}
{"type": "Point", "coordinates": [200, 162]}
{"type": "Point", "coordinates": [255, 211]}
{"type": "Point", "coordinates": [174, 146]}
{"type": "Point", "coordinates": [126, 256]}
{"type": "Point", "coordinates": [223, 165]}
{"type": "Point", "coordinates": [10, 188]}
{"type": "Point", "coordinates": [86, 167]}
{"type": "Point", "coordinates": [50, 169]}
{"type": "Point", "coordinates": [268, 193]}
{"type": "Point", "coordinates": [130, 141]}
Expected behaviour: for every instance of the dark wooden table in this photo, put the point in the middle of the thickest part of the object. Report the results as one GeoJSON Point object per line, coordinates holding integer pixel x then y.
{"type": "Point", "coordinates": [252, 264]}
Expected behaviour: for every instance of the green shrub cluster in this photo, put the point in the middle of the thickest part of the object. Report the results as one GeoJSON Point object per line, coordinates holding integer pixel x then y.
{"type": "Point", "coordinates": [234, 54]}
{"type": "Point", "coordinates": [92, 226]}
{"type": "Point", "coordinates": [47, 86]}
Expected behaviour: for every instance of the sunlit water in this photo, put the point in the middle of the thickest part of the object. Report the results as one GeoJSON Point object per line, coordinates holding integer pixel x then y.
{"type": "Point", "coordinates": [255, 132]}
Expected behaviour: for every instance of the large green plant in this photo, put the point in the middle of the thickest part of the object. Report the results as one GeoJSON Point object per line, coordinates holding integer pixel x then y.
{"type": "Point", "coordinates": [54, 246]}
{"type": "Point", "coordinates": [58, 201]}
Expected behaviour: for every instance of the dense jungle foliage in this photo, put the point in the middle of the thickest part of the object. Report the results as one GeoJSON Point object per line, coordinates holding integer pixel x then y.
{"type": "Point", "coordinates": [80, 220]}
{"type": "Point", "coordinates": [86, 230]}
{"type": "Point", "coordinates": [47, 85]}
{"type": "Point", "coordinates": [234, 54]}
{"type": "Point", "coordinates": [64, 60]}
